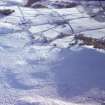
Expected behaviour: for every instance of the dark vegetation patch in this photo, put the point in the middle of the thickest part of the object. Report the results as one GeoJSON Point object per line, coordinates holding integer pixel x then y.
{"type": "Point", "coordinates": [6, 11]}
{"type": "Point", "coordinates": [97, 43]}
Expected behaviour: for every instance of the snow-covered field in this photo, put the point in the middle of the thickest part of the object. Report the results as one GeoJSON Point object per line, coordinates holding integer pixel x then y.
{"type": "Point", "coordinates": [32, 46]}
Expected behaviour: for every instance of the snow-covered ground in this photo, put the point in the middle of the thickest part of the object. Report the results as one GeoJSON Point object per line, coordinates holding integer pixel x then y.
{"type": "Point", "coordinates": [31, 41]}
